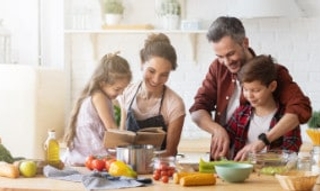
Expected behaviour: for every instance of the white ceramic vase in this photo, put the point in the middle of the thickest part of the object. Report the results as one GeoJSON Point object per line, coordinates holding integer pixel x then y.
{"type": "Point", "coordinates": [170, 21]}
{"type": "Point", "coordinates": [113, 19]}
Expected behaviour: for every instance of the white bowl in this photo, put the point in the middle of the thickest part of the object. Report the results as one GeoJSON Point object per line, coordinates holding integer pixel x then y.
{"type": "Point", "coordinates": [233, 172]}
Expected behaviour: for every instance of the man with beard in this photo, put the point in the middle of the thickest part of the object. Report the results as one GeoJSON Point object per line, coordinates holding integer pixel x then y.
{"type": "Point", "coordinates": [221, 92]}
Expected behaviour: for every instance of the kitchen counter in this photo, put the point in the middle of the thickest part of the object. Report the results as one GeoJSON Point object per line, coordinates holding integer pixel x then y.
{"type": "Point", "coordinates": [40, 183]}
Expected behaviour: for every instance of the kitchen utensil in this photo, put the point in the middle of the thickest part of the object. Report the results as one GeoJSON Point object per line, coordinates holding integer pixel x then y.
{"type": "Point", "coordinates": [139, 157]}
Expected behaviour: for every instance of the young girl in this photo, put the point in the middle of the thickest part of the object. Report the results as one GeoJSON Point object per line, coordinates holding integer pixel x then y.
{"type": "Point", "coordinates": [251, 123]}
{"type": "Point", "coordinates": [93, 112]}
{"type": "Point", "coordinates": [150, 102]}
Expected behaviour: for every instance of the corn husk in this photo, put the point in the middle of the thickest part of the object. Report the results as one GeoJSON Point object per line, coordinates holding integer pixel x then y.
{"type": "Point", "coordinates": [314, 134]}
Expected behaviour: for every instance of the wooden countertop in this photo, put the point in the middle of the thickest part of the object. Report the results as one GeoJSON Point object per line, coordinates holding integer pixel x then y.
{"type": "Point", "coordinates": [39, 183]}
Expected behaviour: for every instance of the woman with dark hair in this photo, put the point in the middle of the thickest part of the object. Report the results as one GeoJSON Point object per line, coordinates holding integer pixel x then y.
{"type": "Point", "coordinates": [150, 102]}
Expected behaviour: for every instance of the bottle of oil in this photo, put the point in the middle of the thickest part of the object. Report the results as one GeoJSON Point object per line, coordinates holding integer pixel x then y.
{"type": "Point", "coordinates": [52, 149]}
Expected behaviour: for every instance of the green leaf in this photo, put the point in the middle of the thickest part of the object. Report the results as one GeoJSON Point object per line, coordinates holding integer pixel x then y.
{"type": "Point", "coordinates": [314, 121]}
{"type": "Point", "coordinates": [117, 114]}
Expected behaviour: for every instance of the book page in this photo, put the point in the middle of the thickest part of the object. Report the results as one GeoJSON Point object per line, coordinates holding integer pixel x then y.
{"type": "Point", "coordinates": [114, 138]}
{"type": "Point", "coordinates": [153, 136]}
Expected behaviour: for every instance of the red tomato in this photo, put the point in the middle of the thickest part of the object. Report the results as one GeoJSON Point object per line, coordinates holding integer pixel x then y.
{"type": "Point", "coordinates": [157, 171]}
{"type": "Point", "coordinates": [163, 166]}
{"type": "Point", "coordinates": [109, 162]}
{"type": "Point", "coordinates": [164, 173]}
{"type": "Point", "coordinates": [165, 179]}
{"type": "Point", "coordinates": [98, 164]}
{"type": "Point", "coordinates": [88, 162]}
{"type": "Point", "coordinates": [156, 176]}
{"type": "Point", "coordinates": [171, 171]}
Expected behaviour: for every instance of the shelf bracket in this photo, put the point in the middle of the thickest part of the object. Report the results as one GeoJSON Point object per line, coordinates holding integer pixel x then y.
{"type": "Point", "coordinates": [94, 41]}
{"type": "Point", "coordinates": [193, 43]}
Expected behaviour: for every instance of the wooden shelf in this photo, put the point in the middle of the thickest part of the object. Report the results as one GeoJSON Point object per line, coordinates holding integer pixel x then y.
{"type": "Point", "coordinates": [133, 31]}
{"type": "Point", "coordinates": [193, 34]}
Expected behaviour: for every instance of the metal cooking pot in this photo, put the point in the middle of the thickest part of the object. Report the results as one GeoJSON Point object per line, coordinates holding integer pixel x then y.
{"type": "Point", "coordinates": [139, 157]}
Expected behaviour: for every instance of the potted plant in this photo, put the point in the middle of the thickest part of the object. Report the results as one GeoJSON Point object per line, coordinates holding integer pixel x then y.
{"type": "Point", "coordinates": [314, 121]}
{"type": "Point", "coordinates": [314, 128]}
{"type": "Point", "coordinates": [113, 10]}
{"type": "Point", "coordinates": [170, 11]}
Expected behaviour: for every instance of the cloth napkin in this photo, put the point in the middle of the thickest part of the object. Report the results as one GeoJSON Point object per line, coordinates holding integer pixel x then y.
{"type": "Point", "coordinates": [93, 181]}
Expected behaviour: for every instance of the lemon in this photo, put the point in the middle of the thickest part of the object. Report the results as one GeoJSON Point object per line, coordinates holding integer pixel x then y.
{"type": "Point", "coordinates": [28, 168]}
{"type": "Point", "coordinates": [119, 168]}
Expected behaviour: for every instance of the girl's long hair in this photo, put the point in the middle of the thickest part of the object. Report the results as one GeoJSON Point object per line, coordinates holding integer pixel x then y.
{"type": "Point", "coordinates": [110, 69]}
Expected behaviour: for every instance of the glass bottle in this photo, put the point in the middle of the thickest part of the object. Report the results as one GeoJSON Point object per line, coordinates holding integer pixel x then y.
{"type": "Point", "coordinates": [52, 149]}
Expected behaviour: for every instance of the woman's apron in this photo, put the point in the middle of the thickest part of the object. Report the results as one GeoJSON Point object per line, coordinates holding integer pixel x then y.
{"type": "Point", "coordinates": [156, 121]}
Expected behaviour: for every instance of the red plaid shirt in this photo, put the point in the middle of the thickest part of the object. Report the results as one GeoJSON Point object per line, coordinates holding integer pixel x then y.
{"type": "Point", "coordinates": [238, 127]}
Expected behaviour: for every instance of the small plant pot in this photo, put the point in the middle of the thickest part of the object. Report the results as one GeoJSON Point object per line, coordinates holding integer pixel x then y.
{"type": "Point", "coordinates": [113, 19]}
{"type": "Point", "coordinates": [170, 22]}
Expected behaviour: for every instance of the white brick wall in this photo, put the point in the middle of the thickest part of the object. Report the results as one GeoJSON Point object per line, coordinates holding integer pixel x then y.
{"type": "Point", "coordinates": [293, 42]}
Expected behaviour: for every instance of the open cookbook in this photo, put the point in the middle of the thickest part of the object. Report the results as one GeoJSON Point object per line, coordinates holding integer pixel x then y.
{"type": "Point", "coordinates": [152, 135]}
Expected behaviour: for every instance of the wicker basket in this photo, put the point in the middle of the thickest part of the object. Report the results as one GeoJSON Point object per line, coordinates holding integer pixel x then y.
{"type": "Point", "coordinates": [297, 180]}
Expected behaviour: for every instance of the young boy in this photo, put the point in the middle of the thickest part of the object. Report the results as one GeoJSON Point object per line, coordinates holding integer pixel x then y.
{"type": "Point", "coordinates": [251, 121]}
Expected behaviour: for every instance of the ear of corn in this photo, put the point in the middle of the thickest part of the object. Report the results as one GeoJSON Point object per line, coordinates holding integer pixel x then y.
{"type": "Point", "coordinates": [198, 180]}
{"type": "Point", "coordinates": [178, 175]}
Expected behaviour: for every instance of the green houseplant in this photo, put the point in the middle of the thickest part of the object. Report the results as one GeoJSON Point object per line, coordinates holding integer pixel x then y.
{"type": "Point", "coordinates": [314, 128]}
{"type": "Point", "coordinates": [113, 7]}
{"type": "Point", "coordinates": [314, 121]}
{"type": "Point", "coordinates": [113, 10]}
{"type": "Point", "coordinates": [170, 7]}
{"type": "Point", "coordinates": [169, 12]}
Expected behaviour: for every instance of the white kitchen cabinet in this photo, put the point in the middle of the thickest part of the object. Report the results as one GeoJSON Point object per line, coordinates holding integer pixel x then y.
{"type": "Point", "coordinates": [32, 101]}
{"type": "Point", "coordinates": [33, 85]}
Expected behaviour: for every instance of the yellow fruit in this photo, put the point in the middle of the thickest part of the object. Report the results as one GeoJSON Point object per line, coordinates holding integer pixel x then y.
{"type": "Point", "coordinates": [28, 168]}
{"type": "Point", "coordinates": [119, 168]}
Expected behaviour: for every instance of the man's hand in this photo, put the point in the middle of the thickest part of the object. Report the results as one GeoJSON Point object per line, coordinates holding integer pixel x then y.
{"type": "Point", "coordinates": [219, 143]}
{"type": "Point", "coordinates": [220, 138]}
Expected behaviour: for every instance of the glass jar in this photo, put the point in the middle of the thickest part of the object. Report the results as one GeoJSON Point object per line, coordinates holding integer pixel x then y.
{"type": "Point", "coordinates": [164, 167]}
{"type": "Point", "coordinates": [315, 153]}
{"type": "Point", "coordinates": [304, 163]}
{"type": "Point", "coordinates": [164, 163]}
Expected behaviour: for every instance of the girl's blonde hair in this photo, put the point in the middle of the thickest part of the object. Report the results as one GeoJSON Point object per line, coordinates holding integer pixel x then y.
{"type": "Point", "coordinates": [110, 69]}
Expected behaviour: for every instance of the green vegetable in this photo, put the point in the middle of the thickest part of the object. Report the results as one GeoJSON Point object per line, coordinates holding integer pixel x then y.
{"type": "Point", "coordinates": [117, 114]}
{"type": "Point", "coordinates": [208, 167]}
{"type": "Point", "coordinates": [5, 155]}
{"type": "Point", "coordinates": [270, 170]}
